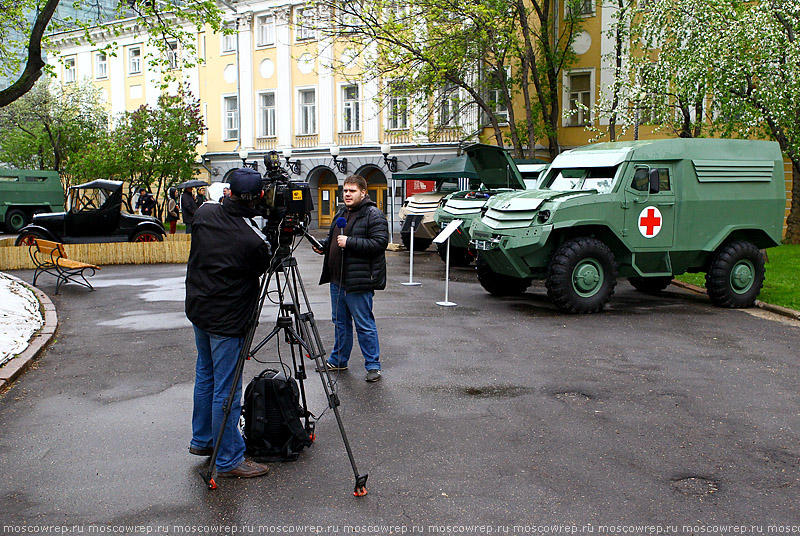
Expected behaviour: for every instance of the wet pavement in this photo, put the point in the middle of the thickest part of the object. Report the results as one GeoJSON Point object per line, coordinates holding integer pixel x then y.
{"type": "Point", "coordinates": [500, 412]}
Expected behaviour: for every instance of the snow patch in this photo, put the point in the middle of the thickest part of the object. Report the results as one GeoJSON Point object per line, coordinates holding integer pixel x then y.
{"type": "Point", "coordinates": [20, 317]}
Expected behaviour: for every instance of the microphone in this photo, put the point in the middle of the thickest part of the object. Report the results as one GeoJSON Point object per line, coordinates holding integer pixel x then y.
{"type": "Point", "coordinates": [341, 223]}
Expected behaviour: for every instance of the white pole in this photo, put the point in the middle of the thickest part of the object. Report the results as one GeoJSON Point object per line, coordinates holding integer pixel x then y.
{"type": "Point", "coordinates": [447, 302]}
{"type": "Point", "coordinates": [411, 281]}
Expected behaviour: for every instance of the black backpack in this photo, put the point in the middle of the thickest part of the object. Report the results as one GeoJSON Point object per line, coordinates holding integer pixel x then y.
{"type": "Point", "coordinates": [272, 413]}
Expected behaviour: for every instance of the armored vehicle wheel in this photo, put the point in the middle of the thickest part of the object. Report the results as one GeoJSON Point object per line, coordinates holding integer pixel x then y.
{"type": "Point", "coordinates": [581, 276]}
{"type": "Point", "coordinates": [147, 236]}
{"type": "Point", "coordinates": [458, 256]}
{"type": "Point", "coordinates": [27, 238]}
{"type": "Point", "coordinates": [16, 219]}
{"type": "Point", "coordinates": [650, 285]}
{"type": "Point", "coordinates": [420, 244]}
{"type": "Point", "coordinates": [735, 275]}
{"type": "Point", "coordinates": [499, 284]}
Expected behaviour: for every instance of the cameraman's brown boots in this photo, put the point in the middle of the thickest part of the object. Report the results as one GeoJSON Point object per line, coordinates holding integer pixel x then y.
{"type": "Point", "coordinates": [246, 469]}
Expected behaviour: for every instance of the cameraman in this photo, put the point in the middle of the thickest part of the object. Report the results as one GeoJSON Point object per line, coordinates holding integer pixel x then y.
{"type": "Point", "coordinates": [355, 266]}
{"type": "Point", "coordinates": [228, 255]}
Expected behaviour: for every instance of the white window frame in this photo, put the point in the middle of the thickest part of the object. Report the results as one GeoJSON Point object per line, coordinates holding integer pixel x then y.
{"type": "Point", "coordinates": [397, 105]}
{"type": "Point", "coordinates": [302, 32]}
{"type": "Point", "coordinates": [495, 96]}
{"type": "Point", "coordinates": [449, 104]}
{"type": "Point", "coordinates": [265, 30]}
{"type": "Point", "coordinates": [172, 55]}
{"type": "Point", "coordinates": [230, 118]}
{"type": "Point", "coordinates": [227, 42]}
{"type": "Point", "coordinates": [101, 65]}
{"type": "Point", "coordinates": [135, 61]}
{"type": "Point", "coordinates": [350, 108]}
{"type": "Point", "coordinates": [584, 12]}
{"type": "Point", "coordinates": [267, 115]}
{"type": "Point", "coordinates": [346, 19]}
{"type": "Point", "coordinates": [306, 113]}
{"type": "Point", "coordinates": [70, 69]}
{"type": "Point", "coordinates": [577, 120]}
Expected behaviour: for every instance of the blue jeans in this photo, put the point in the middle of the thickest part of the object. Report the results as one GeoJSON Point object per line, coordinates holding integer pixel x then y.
{"type": "Point", "coordinates": [346, 308]}
{"type": "Point", "coordinates": [216, 366]}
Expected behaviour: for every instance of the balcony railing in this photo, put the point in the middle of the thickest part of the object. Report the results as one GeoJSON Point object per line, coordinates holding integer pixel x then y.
{"type": "Point", "coordinates": [306, 141]}
{"type": "Point", "coordinates": [348, 139]}
{"type": "Point", "coordinates": [446, 134]}
{"type": "Point", "coordinates": [266, 144]}
{"type": "Point", "coordinates": [397, 136]}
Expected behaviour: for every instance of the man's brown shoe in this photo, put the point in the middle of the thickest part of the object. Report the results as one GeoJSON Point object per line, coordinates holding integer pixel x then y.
{"type": "Point", "coordinates": [246, 469]}
{"type": "Point", "coordinates": [197, 451]}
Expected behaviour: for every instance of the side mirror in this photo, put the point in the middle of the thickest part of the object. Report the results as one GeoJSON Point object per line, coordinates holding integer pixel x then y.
{"type": "Point", "coordinates": [654, 181]}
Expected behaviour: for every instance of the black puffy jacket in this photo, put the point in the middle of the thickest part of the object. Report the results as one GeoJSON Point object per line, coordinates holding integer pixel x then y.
{"type": "Point", "coordinates": [227, 257]}
{"type": "Point", "coordinates": [365, 251]}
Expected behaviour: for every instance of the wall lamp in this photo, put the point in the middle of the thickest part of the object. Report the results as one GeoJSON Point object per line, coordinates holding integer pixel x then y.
{"type": "Point", "coordinates": [341, 164]}
{"type": "Point", "coordinates": [294, 167]}
{"type": "Point", "coordinates": [243, 154]}
{"type": "Point", "coordinates": [391, 163]}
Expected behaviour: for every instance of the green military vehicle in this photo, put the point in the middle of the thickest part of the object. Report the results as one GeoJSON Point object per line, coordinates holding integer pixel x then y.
{"type": "Point", "coordinates": [645, 210]}
{"type": "Point", "coordinates": [24, 193]}
{"type": "Point", "coordinates": [497, 173]}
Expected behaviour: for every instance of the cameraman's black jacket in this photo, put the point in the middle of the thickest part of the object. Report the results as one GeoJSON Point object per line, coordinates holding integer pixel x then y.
{"type": "Point", "coordinates": [365, 251]}
{"type": "Point", "coordinates": [227, 257]}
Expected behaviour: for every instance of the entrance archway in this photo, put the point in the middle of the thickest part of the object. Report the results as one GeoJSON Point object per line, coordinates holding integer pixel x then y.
{"type": "Point", "coordinates": [376, 185]}
{"type": "Point", "coordinates": [327, 198]}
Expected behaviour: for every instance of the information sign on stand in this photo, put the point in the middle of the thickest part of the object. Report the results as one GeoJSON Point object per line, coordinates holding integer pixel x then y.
{"type": "Point", "coordinates": [410, 225]}
{"type": "Point", "coordinates": [440, 238]}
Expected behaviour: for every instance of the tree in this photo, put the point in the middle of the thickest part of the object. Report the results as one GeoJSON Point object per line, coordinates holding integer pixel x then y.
{"type": "Point", "coordinates": [49, 125]}
{"type": "Point", "coordinates": [729, 68]}
{"type": "Point", "coordinates": [164, 21]}
{"type": "Point", "coordinates": [157, 146]}
{"type": "Point", "coordinates": [492, 51]}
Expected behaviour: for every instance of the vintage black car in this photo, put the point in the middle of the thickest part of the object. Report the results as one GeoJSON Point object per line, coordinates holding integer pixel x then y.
{"type": "Point", "coordinates": [94, 214]}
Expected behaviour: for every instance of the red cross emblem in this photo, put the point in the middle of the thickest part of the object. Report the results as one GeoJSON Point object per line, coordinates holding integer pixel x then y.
{"type": "Point", "coordinates": [650, 222]}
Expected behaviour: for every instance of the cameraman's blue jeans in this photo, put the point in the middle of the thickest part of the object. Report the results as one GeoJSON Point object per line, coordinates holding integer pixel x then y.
{"type": "Point", "coordinates": [216, 366]}
{"type": "Point", "coordinates": [348, 308]}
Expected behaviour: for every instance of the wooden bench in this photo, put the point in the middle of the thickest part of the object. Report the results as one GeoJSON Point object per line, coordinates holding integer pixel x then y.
{"type": "Point", "coordinates": [50, 258]}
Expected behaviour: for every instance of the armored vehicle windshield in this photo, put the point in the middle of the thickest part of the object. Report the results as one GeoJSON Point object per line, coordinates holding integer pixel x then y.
{"type": "Point", "coordinates": [600, 179]}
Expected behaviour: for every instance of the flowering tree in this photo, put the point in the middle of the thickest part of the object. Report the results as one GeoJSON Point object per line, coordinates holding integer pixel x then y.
{"type": "Point", "coordinates": [718, 67]}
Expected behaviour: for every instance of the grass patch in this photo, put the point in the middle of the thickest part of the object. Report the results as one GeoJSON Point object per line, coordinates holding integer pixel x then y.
{"type": "Point", "coordinates": [781, 284]}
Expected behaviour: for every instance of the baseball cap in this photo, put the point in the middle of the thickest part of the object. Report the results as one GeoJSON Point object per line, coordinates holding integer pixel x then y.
{"type": "Point", "coordinates": [245, 181]}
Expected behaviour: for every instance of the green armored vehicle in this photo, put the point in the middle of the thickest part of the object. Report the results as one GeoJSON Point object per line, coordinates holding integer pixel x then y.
{"type": "Point", "coordinates": [497, 173]}
{"type": "Point", "coordinates": [24, 193]}
{"type": "Point", "coordinates": [645, 210]}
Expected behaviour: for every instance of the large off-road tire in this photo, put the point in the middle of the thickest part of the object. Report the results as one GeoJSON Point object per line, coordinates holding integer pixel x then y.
{"type": "Point", "coordinates": [16, 219]}
{"type": "Point", "coordinates": [147, 236]}
{"type": "Point", "coordinates": [650, 285]}
{"type": "Point", "coordinates": [735, 275]}
{"type": "Point", "coordinates": [581, 276]}
{"type": "Point", "coordinates": [458, 256]}
{"type": "Point", "coordinates": [420, 244]}
{"type": "Point", "coordinates": [499, 284]}
{"type": "Point", "coordinates": [27, 237]}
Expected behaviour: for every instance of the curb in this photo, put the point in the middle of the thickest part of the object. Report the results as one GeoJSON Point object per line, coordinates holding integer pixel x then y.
{"type": "Point", "coordinates": [777, 309]}
{"type": "Point", "coordinates": [12, 369]}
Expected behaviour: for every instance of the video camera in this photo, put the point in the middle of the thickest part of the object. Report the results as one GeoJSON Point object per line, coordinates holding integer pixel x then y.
{"type": "Point", "coordinates": [286, 205]}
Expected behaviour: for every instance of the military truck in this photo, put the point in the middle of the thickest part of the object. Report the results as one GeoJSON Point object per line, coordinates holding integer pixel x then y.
{"type": "Point", "coordinates": [24, 193]}
{"type": "Point", "coordinates": [498, 173]}
{"type": "Point", "coordinates": [645, 210]}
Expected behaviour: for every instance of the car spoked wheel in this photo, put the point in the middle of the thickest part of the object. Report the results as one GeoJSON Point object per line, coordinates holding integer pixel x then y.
{"type": "Point", "coordinates": [735, 275]}
{"type": "Point", "coordinates": [26, 239]}
{"type": "Point", "coordinates": [581, 276]}
{"type": "Point", "coordinates": [147, 236]}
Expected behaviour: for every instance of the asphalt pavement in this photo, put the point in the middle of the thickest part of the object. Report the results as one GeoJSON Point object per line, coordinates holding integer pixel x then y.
{"type": "Point", "coordinates": [497, 414]}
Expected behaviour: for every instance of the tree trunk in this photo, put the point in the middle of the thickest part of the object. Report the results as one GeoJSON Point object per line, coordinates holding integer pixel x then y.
{"type": "Point", "coordinates": [793, 220]}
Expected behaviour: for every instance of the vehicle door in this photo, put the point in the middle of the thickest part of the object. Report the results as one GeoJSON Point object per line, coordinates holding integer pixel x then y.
{"type": "Point", "coordinates": [649, 228]}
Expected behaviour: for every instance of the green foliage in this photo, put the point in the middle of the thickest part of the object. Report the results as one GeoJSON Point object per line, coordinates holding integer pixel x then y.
{"type": "Point", "coordinates": [494, 51]}
{"type": "Point", "coordinates": [50, 125]}
{"type": "Point", "coordinates": [781, 285]}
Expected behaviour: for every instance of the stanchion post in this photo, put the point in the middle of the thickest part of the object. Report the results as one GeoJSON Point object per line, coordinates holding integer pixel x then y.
{"type": "Point", "coordinates": [441, 237]}
{"type": "Point", "coordinates": [411, 281]}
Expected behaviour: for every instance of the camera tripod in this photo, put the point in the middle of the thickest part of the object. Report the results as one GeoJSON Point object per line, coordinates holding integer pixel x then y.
{"type": "Point", "coordinates": [296, 320]}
